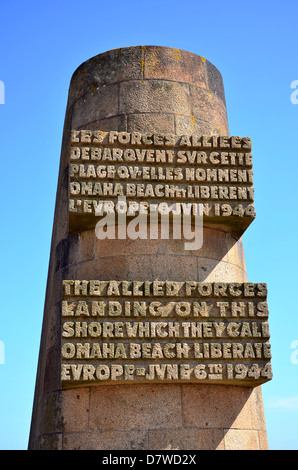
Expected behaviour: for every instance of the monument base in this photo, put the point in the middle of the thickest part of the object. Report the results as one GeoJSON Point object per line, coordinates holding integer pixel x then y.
{"type": "Point", "coordinates": [154, 417]}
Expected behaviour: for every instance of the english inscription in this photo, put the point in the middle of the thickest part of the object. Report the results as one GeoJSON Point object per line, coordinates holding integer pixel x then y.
{"type": "Point", "coordinates": [131, 331]}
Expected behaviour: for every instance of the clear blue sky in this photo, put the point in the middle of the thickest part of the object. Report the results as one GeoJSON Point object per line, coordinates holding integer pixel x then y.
{"type": "Point", "coordinates": [254, 44]}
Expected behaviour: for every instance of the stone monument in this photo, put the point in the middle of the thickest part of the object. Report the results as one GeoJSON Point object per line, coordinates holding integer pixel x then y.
{"type": "Point", "coordinates": [152, 338]}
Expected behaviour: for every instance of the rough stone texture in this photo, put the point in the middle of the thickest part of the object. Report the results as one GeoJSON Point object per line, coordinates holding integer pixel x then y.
{"type": "Point", "coordinates": [104, 440]}
{"type": "Point", "coordinates": [147, 89]}
{"type": "Point", "coordinates": [199, 439]}
{"type": "Point", "coordinates": [129, 408]}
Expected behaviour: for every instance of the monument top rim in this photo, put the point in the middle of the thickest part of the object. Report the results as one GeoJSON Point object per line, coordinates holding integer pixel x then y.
{"type": "Point", "coordinates": [135, 48]}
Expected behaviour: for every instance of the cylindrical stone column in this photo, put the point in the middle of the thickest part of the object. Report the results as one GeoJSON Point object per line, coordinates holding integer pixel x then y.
{"type": "Point", "coordinates": [144, 89]}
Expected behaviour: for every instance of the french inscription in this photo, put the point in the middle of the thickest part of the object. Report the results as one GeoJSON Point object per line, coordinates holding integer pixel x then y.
{"type": "Point", "coordinates": [169, 140]}
{"type": "Point", "coordinates": [127, 331]}
{"type": "Point", "coordinates": [215, 172]}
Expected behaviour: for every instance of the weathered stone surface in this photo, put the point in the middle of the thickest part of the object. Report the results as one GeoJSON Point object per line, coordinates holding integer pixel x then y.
{"type": "Point", "coordinates": [174, 64]}
{"type": "Point", "coordinates": [105, 440]}
{"type": "Point", "coordinates": [186, 439]}
{"type": "Point", "coordinates": [236, 439]}
{"type": "Point", "coordinates": [164, 331]}
{"type": "Point", "coordinates": [210, 270]}
{"type": "Point", "coordinates": [110, 67]}
{"type": "Point", "coordinates": [114, 122]}
{"type": "Point", "coordinates": [216, 399]}
{"type": "Point", "coordinates": [160, 266]}
{"type": "Point", "coordinates": [94, 106]}
{"type": "Point", "coordinates": [209, 108]}
{"type": "Point", "coordinates": [194, 125]}
{"type": "Point", "coordinates": [154, 97]}
{"type": "Point", "coordinates": [129, 408]}
{"type": "Point", "coordinates": [75, 409]}
{"type": "Point", "coordinates": [154, 122]}
{"type": "Point", "coordinates": [215, 81]}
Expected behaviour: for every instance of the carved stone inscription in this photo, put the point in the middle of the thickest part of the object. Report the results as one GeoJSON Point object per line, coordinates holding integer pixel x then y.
{"type": "Point", "coordinates": [164, 331]}
{"type": "Point", "coordinates": [152, 168]}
